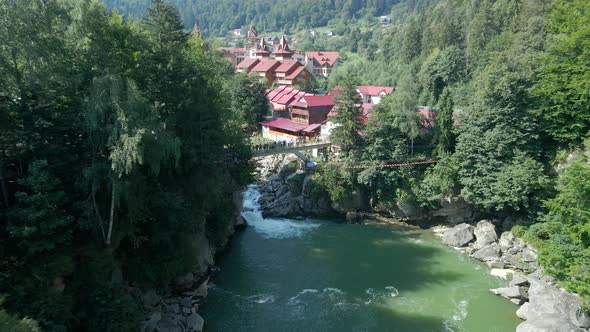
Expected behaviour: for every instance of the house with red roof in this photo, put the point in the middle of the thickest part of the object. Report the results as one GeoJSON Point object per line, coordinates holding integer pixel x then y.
{"type": "Point", "coordinates": [296, 113]}
{"type": "Point", "coordinates": [371, 94]}
{"type": "Point", "coordinates": [285, 72]}
{"type": "Point", "coordinates": [321, 63]}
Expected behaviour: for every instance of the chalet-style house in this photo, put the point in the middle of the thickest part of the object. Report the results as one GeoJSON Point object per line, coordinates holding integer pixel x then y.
{"type": "Point", "coordinates": [296, 114]}
{"type": "Point", "coordinates": [318, 64]}
{"type": "Point", "coordinates": [321, 64]}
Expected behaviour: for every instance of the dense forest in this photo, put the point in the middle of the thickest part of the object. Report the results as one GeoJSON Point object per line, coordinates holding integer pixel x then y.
{"type": "Point", "coordinates": [120, 143]}
{"type": "Point", "coordinates": [217, 17]}
{"type": "Point", "coordinates": [508, 86]}
{"type": "Point", "coordinates": [122, 138]}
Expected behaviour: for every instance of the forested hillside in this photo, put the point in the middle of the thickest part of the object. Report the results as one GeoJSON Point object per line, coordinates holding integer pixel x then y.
{"type": "Point", "coordinates": [119, 146]}
{"type": "Point", "coordinates": [507, 83]}
{"type": "Point", "coordinates": [217, 17]}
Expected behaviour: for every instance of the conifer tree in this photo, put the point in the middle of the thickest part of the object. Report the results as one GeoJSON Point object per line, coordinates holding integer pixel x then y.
{"type": "Point", "coordinates": [445, 139]}
{"type": "Point", "coordinates": [349, 125]}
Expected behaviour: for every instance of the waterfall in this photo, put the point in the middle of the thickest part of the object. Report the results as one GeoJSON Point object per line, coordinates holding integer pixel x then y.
{"type": "Point", "coordinates": [278, 228]}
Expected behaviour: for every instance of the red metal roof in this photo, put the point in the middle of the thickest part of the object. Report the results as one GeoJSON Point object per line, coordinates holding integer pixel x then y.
{"type": "Point", "coordinates": [247, 63]}
{"type": "Point", "coordinates": [287, 65]}
{"type": "Point", "coordinates": [323, 57]}
{"type": "Point", "coordinates": [285, 124]}
{"type": "Point", "coordinates": [319, 100]}
{"type": "Point", "coordinates": [296, 73]}
{"type": "Point", "coordinates": [372, 90]}
{"type": "Point", "coordinates": [265, 65]}
{"type": "Point", "coordinates": [312, 127]}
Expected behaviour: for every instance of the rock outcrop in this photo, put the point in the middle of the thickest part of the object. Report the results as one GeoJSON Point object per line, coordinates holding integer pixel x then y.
{"type": "Point", "coordinates": [544, 306]}
{"type": "Point", "coordinates": [459, 235]}
{"type": "Point", "coordinates": [288, 193]}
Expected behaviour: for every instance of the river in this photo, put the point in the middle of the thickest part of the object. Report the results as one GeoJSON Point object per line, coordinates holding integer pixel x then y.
{"type": "Point", "coordinates": [306, 275]}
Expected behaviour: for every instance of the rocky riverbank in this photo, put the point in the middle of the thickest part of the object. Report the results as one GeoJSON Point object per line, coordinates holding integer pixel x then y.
{"type": "Point", "coordinates": [544, 305]}
{"type": "Point", "coordinates": [287, 192]}
{"type": "Point", "coordinates": [178, 309]}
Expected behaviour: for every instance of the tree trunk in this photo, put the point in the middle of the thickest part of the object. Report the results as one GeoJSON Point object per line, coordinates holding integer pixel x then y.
{"type": "Point", "coordinates": [98, 216]}
{"type": "Point", "coordinates": [112, 216]}
{"type": "Point", "coordinates": [3, 183]}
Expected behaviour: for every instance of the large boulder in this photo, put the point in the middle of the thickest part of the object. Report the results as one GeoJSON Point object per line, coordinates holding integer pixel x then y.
{"type": "Point", "coordinates": [485, 233]}
{"type": "Point", "coordinates": [487, 253]}
{"type": "Point", "coordinates": [548, 324]}
{"type": "Point", "coordinates": [551, 309]}
{"type": "Point", "coordinates": [506, 241]}
{"type": "Point", "coordinates": [194, 323]}
{"type": "Point", "coordinates": [459, 235]}
{"type": "Point", "coordinates": [518, 280]}
{"type": "Point", "coordinates": [514, 292]}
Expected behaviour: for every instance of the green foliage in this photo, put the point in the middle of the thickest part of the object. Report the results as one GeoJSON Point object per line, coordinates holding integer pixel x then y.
{"type": "Point", "coordinates": [562, 236]}
{"type": "Point", "coordinates": [13, 324]}
{"type": "Point", "coordinates": [348, 122]}
{"type": "Point", "coordinates": [444, 136]}
{"type": "Point", "coordinates": [247, 102]}
{"type": "Point", "coordinates": [217, 17]}
{"type": "Point", "coordinates": [564, 88]}
{"type": "Point", "coordinates": [113, 309]}
{"type": "Point", "coordinates": [124, 145]}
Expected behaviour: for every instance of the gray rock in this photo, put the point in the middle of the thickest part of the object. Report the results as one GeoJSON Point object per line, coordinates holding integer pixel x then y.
{"type": "Point", "coordinates": [548, 304]}
{"type": "Point", "coordinates": [528, 255]}
{"type": "Point", "coordinates": [195, 323]}
{"type": "Point", "coordinates": [489, 252]}
{"type": "Point", "coordinates": [495, 263]}
{"type": "Point", "coordinates": [151, 299]}
{"type": "Point", "coordinates": [169, 325]}
{"type": "Point", "coordinates": [202, 290]}
{"type": "Point", "coordinates": [514, 292]}
{"type": "Point", "coordinates": [152, 320]}
{"type": "Point", "coordinates": [186, 302]}
{"type": "Point", "coordinates": [517, 301]}
{"type": "Point", "coordinates": [485, 233]}
{"type": "Point", "coordinates": [548, 324]}
{"type": "Point", "coordinates": [524, 311]}
{"type": "Point", "coordinates": [173, 308]}
{"type": "Point", "coordinates": [518, 280]}
{"type": "Point", "coordinates": [505, 241]}
{"type": "Point", "coordinates": [581, 318]}
{"type": "Point", "coordinates": [459, 235]}
{"type": "Point", "coordinates": [186, 311]}
{"type": "Point", "coordinates": [516, 263]}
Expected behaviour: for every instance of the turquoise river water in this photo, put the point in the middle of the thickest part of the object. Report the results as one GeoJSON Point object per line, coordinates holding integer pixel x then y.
{"type": "Point", "coordinates": [307, 275]}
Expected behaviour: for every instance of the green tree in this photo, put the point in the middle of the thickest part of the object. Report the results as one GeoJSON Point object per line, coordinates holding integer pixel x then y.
{"type": "Point", "coordinates": [445, 138]}
{"type": "Point", "coordinates": [349, 125]}
{"type": "Point", "coordinates": [564, 88]}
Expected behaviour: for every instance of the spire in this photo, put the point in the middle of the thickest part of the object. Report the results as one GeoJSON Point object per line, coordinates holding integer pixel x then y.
{"type": "Point", "coordinates": [283, 45]}
{"type": "Point", "coordinates": [252, 33]}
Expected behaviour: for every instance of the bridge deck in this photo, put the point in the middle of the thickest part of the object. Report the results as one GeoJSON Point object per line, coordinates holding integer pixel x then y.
{"type": "Point", "coordinates": [290, 149]}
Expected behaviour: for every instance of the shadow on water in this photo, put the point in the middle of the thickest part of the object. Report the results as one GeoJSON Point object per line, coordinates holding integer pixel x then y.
{"type": "Point", "coordinates": [375, 256]}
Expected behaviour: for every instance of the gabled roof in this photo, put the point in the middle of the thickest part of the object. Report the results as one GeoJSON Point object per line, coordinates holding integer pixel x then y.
{"type": "Point", "coordinates": [248, 63]}
{"type": "Point", "coordinates": [285, 124]}
{"type": "Point", "coordinates": [296, 73]}
{"type": "Point", "coordinates": [318, 100]}
{"type": "Point", "coordinates": [372, 90]}
{"type": "Point", "coordinates": [287, 65]}
{"type": "Point", "coordinates": [322, 57]}
{"type": "Point", "coordinates": [266, 65]}
{"type": "Point", "coordinates": [285, 95]}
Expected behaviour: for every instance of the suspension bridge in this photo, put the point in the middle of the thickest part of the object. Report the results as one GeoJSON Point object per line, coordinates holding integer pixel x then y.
{"type": "Point", "coordinates": [274, 148]}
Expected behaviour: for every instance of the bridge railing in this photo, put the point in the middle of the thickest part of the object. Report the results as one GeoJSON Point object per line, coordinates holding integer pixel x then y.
{"type": "Point", "coordinates": [288, 145]}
